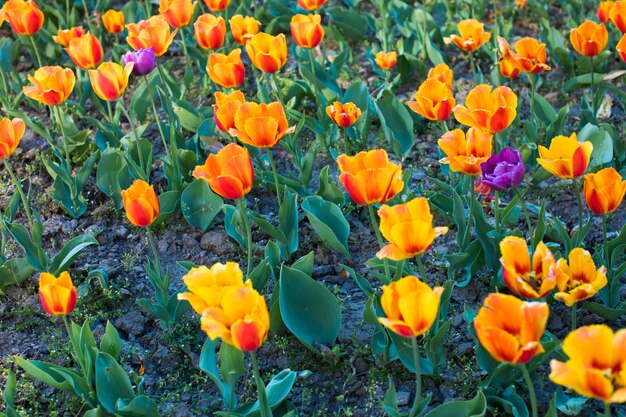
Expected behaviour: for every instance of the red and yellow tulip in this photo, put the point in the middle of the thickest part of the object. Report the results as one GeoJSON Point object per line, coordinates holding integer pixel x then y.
{"type": "Point", "coordinates": [566, 157]}
{"type": "Point", "coordinates": [578, 279]}
{"type": "Point", "coordinates": [209, 31]}
{"type": "Point", "coordinates": [11, 133]}
{"type": "Point", "coordinates": [207, 285]}
{"type": "Point", "coordinates": [86, 51]}
{"type": "Point", "coordinates": [433, 100]}
{"type": "Point", "coordinates": [178, 13]}
{"type": "Point", "coordinates": [109, 81]}
{"type": "Point", "coordinates": [527, 278]}
{"type": "Point", "coordinates": [57, 295]}
{"type": "Point", "coordinates": [225, 109]}
{"type": "Point", "coordinates": [243, 28]}
{"type": "Point", "coordinates": [154, 32]}
{"type": "Point", "coordinates": [226, 70]}
{"type": "Point", "coordinates": [465, 151]}
{"type": "Point", "coordinates": [113, 21]}
{"type": "Point", "coordinates": [343, 114]}
{"type": "Point", "coordinates": [604, 190]}
{"type": "Point", "coordinates": [141, 203]}
{"type": "Point", "coordinates": [307, 30]}
{"type": "Point", "coordinates": [261, 125]}
{"type": "Point", "coordinates": [487, 109]}
{"type": "Point", "coordinates": [24, 17]}
{"type": "Point", "coordinates": [590, 38]}
{"type": "Point", "coordinates": [50, 85]}
{"type": "Point", "coordinates": [268, 53]}
{"type": "Point", "coordinates": [229, 172]}
{"type": "Point", "coordinates": [471, 36]}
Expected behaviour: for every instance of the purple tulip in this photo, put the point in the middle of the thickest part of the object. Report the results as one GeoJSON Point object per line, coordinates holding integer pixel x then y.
{"type": "Point", "coordinates": [503, 170]}
{"type": "Point", "coordinates": [143, 59]}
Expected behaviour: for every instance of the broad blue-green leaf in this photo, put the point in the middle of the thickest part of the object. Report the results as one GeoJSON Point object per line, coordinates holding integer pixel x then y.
{"type": "Point", "coordinates": [396, 122]}
{"type": "Point", "coordinates": [328, 222]}
{"type": "Point", "coordinates": [200, 204]}
{"type": "Point", "coordinates": [476, 407]}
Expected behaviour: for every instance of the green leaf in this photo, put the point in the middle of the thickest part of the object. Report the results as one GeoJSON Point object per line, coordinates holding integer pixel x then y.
{"type": "Point", "coordinates": [70, 251]}
{"type": "Point", "coordinates": [200, 204]}
{"type": "Point", "coordinates": [111, 342]}
{"type": "Point", "coordinates": [544, 110]}
{"type": "Point", "coordinates": [390, 402]}
{"type": "Point", "coordinates": [14, 271]}
{"type": "Point", "coordinates": [397, 123]}
{"type": "Point", "coordinates": [57, 376]}
{"type": "Point", "coordinates": [476, 407]}
{"type": "Point", "coordinates": [34, 254]}
{"type": "Point", "coordinates": [277, 390]}
{"type": "Point", "coordinates": [169, 202]}
{"type": "Point", "coordinates": [602, 144]}
{"type": "Point", "coordinates": [112, 175]}
{"type": "Point", "coordinates": [188, 116]}
{"type": "Point", "coordinates": [140, 406]}
{"type": "Point", "coordinates": [288, 220]}
{"type": "Point", "coordinates": [328, 222]}
{"type": "Point", "coordinates": [328, 190]}
{"type": "Point", "coordinates": [112, 383]}
{"type": "Point", "coordinates": [351, 22]}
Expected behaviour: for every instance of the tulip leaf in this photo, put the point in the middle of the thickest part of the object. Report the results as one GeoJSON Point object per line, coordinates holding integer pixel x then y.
{"type": "Point", "coordinates": [140, 406]}
{"type": "Point", "coordinates": [352, 23]}
{"type": "Point", "coordinates": [602, 144]}
{"type": "Point", "coordinates": [199, 204]}
{"type": "Point", "coordinates": [62, 378]}
{"type": "Point", "coordinates": [112, 383]}
{"type": "Point", "coordinates": [396, 122]}
{"type": "Point", "coordinates": [111, 342]}
{"type": "Point", "coordinates": [188, 116]}
{"type": "Point", "coordinates": [169, 202]}
{"type": "Point", "coordinates": [328, 222]}
{"type": "Point", "coordinates": [70, 251]}
{"type": "Point", "coordinates": [34, 253]}
{"type": "Point", "coordinates": [276, 390]}
{"type": "Point", "coordinates": [112, 175]}
{"type": "Point", "coordinates": [288, 220]}
{"type": "Point", "coordinates": [476, 407]}
{"type": "Point", "coordinates": [14, 271]}
{"type": "Point", "coordinates": [328, 190]}
{"type": "Point", "coordinates": [544, 110]}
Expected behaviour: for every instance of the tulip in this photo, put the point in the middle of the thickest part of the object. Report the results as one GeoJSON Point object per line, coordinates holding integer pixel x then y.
{"type": "Point", "coordinates": [11, 133]}
{"type": "Point", "coordinates": [579, 279]}
{"type": "Point", "coordinates": [386, 60]}
{"type": "Point", "coordinates": [209, 31]}
{"type": "Point", "coordinates": [268, 53]}
{"type": "Point", "coordinates": [520, 4]}
{"type": "Point", "coordinates": [86, 51]}
{"type": "Point", "coordinates": [618, 15]}
{"type": "Point", "coordinates": [243, 28]}
{"type": "Point", "coordinates": [307, 31]}
{"type": "Point", "coordinates": [510, 329]}
{"type": "Point", "coordinates": [604, 191]}
{"type": "Point", "coordinates": [217, 5]}
{"type": "Point", "coordinates": [595, 368]}
{"type": "Point", "coordinates": [434, 100]}
{"type": "Point", "coordinates": [229, 172]}
{"type": "Point", "coordinates": [566, 157]}
{"type": "Point", "coordinates": [527, 280]}
{"type": "Point", "coordinates": [487, 109]}
{"type": "Point", "coordinates": [410, 306]}
{"type": "Point", "coordinates": [528, 55]}
{"type": "Point", "coordinates": [207, 285]}
{"type": "Point", "coordinates": [465, 151]}
{"type": "Point", "coordinates": [311, 5]}
{"type": "Point", "coordinates": [226, 70]}
{"type": "Point", "coordinates": [24, 17]}
{"type": "Point", "coordinates": [110, 80]}
{"type": "Point", "coordinates": [57, 295]}
{"type": "Point", "coordinates": [154, 32]}
{"type": "Point", "coordinates": [261, 125]}
{"type": "Point", "coordinates": [344, 115]}
{"type": "Point", "coordinates": [141, 203]}
{"type": "Point", "coordinates": [369, 177]}
{"type": "Point", "coordinates": [64, 36]}
{"type": "Point", "coordinates": [604, 11]}
{"type": "Point", "coordinates": [50, 85]}
{"type": "Point", "coordinates": [178, 13]}
{"type": "Point", "coordinates": [225, 109]}
{"type": "Point", "coordinates": [408, 228]}
{"type": "Point", "coordinates": [621, 48]}
{"type": "Point", "coordinates": [509, 68]}
{"type": "Point", "coordinates": [143, 60]}
{"type": "Point", "coordinates": [113, 21]}
{"type": "Point", "coordinates": [442, 73]}
{"type": "Point", "coordinates": [590, 38]}
{"type": "Point", "coordinates": [472, 35]}
{"type": "Point", "coordinates": [503, 170]}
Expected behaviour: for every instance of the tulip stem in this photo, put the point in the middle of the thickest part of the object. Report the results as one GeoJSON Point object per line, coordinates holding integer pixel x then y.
{"type": "Point", "coordinates": [593, 89]}
{"type": "Point", "coordinates": [274, 78]}
{"type": "Point", "coordinates": [418, 379]}
{"type": "Point", "coordinates": [473, 67]}
{"type": "Point", "coordinates": [144, 170]}
{"type": "Point", "coordinates": [523, 203]}
{"type": "Point", "coordinates": [110, 111]}
{"type": "Point", "coordinates": [156, 115]}
{"type": "Point", "coordinates": [271, 158]}
{"type": "Point", "coordinates": [533, 86]}
{"type": "Point", "coordinates": [34, 44]}
{"type": "Point", "coordinates": [182, 40]}
{"type": "Point", "coordinates": [607, 409]}
{"type": "Point", "coordinates": [420, 267]}
{"type": "Point", "coordinates": [469, 218]}
{"type": "Point", "coordinates": [18, 186]}
{"type": "Point", "coordinates": [264, 408]}
{"type": "Point", "coordinates": [155, 253]}
{"type": "Point", "coordinates": [496, 213]}
{"type": "Point", "coordinates": [5, 86]}
{"type": "Point", "coordinates": [531, 390]}
{"type": "Point", "coordinates": [87, 16]}
{"type": "Point", "coordinates": [379, 237]}
{"type": "Point", "coordinates": [67, 13]}
{"type": "Point", "coordinates": [66, 149]}
{"type": "Point", "coordinates": [314, 83]}
{"type": "Point", "coordinates": [246, 224]}
{"type": "Point", "coordinates": [574, 317]}
{"type": "Point", "coordinates": [580, 205]}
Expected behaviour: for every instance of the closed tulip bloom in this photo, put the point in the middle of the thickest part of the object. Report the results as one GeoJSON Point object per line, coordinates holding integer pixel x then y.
{"type": "Point", "coordinates": [64, 36]}
{"type": "Point", "coordinates": [566, 157]}
{"type": "Point", "coordinates": [503, 170]}
{"type": "Point", "coordinates": [408, 228]}
{"type": "Point", "coordinates": [487, 109]}
{"type": "Point", "coordinates": [229, 172]}
{"type": "Point", "coordinates": [434, 100]}
{"type": "Point", "coordinates": [410, 306]}
{"type": "Point", "coordinates": [590, 38]}
{"type": "Point", "coordinates": [311, 5]}
{"type": "Point", "coordinates": [520, 4]}
{"type": "Point", "coordinates": [109, 81]}
{"type": "Point", "coordinates": [225, 109]}
{"type": "Point", "coordinates": [11, 133]}
{"type": "Point", "coordinates": [178, 13]}
{"type": "Point", "coordinates": [579, 279]}
{"type": "Point", "coordinates": [50, 85]}
{"type": "Point", "coordinates": [209, 31]}
{"type": "Point", "coordinates": [465, 151]}
{"type": "Point", "coordinates": [57, 295]}
{"type": "Point", "coordinates": [141, 203]}
{"type": "Point", "coordinates": [386, 60]}
{"type": "Point", "coordinates": [243, 28]}
{"type": "Point", "coordinates": [442, 73]}
{"type": "Point", "coordinates": [344, 115]}
{"type": "Point", "coordinates": [217, 5]}
{"type": "Point", "coordinates": [307, 31]}
{"type": "Point", "coordinates": [24, 17]}
{"type": "Point", "coordinates": [604, 190]}
{"type": "Point", "coordinates": [207, 285]}
{"type": "Point", "coordinates": [510, 329]}
{"type": "Point", "coordinates": [508, 67]}
{"type": "Point", "coordinates": [143, 60]}
{"type": "Point", "coordinates": [472, 35]}
{"type": "Point", "coordinates": [268, 53]}
{"type": "Point", "coordinates": [525, 278]}
{"type": "Point", "coordinates": [261, 125]}
{"type": "Point", "coordinates": [527, 54]}
{"type": "Point", "coordinates": [604, 11]}
{"type": "Point", "coordinates": [154, 32]}
{"type": "Point", "coordinates": [369, 177]}
{"type": "Point", "coordinates": [241, 320]}
{"type": "Point", "coordinates": [86, 51]}
{"type": "Point", "coordinates": [226, 70]}
{"type": "Point", "coordinates": [618, 15]}
{"type": "Point", "coordinates": [621, 48]}
{"type": "Point", "coordinates": [113, 21]}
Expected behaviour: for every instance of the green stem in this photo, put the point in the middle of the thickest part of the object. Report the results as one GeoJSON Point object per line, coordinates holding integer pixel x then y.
{"type": "Point", "coordinates": [265, 409]}
{"type": "Point", "coordinates": [531, 390]}
{"type": "Point", "coordinates": [277, 91]}
{"type": "Point", "coordinates": [523, 203]}
{"type": "Point", "coordinates": [182, 39]}
{"type": "Point", "coordinates": [418, 379]}
{"type": "Point", "coordinates": [533, 86]}
{"type": "Point", "coordinates": [574, 316]}
{"type": "Point", "coordinates": [87, 16]}
{"type": "Point", "coordinates": [18, 186]}
{"type": "Point", "coordinates": [246, 224]}
{"type": "Point", "coordinates": [156, 115]}
{"type": "Point", "coordinates": [473, 67]}
{"type": "Point", "coordinates": [444, 126]}
{"type": "Point", "coordinates": [346, 142]}
{"type": "Point", "coordinates": [593, 89]}
{"type": "Point", "coordinates": [5, 86]}
{"type": "Point", "coordinates": [580, 205]}
{"type": "Point", "coordinates": [471, 214]}
{"type": "Point", "coordinates": [399, 270]}
{"type": "Point", "coordinates": [67, 13]}
{"type": "Point", "coordinates": [145, 170]}
{"type": "Point", "coordinates": [607, 259]}
{"type": "Point", "coordinates": [66, 149]}
{"type": "Point", "coordinates": [271, 158]}
{"type": "Point", "coordinates": [314, 84]}
{"type": "Point", "coordinates": [153, 247]}
{"type": "Point", "coordinates": [607, 409]}
{"type": "Point", "coordinates": [34, 44]}
{"type": "Point", "coordinates": [110, 111]}
{"type": "Point", "coordinates": [420, 267]}
{"type": "Point", "coordinates": [496, 213]}
{"type": "Point", "coordinates": [379, 237]}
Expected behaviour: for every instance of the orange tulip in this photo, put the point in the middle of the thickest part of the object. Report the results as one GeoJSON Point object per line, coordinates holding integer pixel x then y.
{"type": "Point", "coordinates": [509, 67]}
{"type": "Point", "coordinates": [442, 73]}
{"type": "Point", "coordinates": [243, 28]}
{"type": "Point", "coordinates": [225, 109]}
{"type": "Point", "coordinates": [465, 151]}
{"type": "Point", "coordinates": [386, 60]}
{"type": "Point", "coordinates": [527, 54]}
{"type": "Point", "coordinates": [178, 13]}
{"type": "Point", "coordinates": [141, 203]}
{"type": "Point", "coordinates": [311, 5]}
{"type": "Point", "coordinates": [109, 81]}
{"type": "Point", "coordinates": [621, 48]}
{"type": "Point", "coordinates": [24, 17]}
{"type": "Point", "coordinates": [217, 5]}
{"type": "Point", "coordinates": [209, 31]}
{"type": "Point", "coordinates": [487, 109]}
{"type": "Point", "coordinates": [307, 31]}
{"type": "Point", "coordinates": [579, 279]}
{"type": "Point", "coordinates": [268, 53]}
{"type": "Point", "coordinates": [520, 4]}
{"type": "Point", "coordinates": [618, 15]}
{"type": "Point", "coordinates": [113, 21]}
{"type": "Point", "coordinates": [226, 70]}
{"type": "Point", "coordinates": [86, 51]}
{"type": "Point", "coordinates": [604, 190]}
{"type": "Point", "coordinates": [261, 125]}
{"type": "Point", "coordinates": [11, 133]}
{"type": "Point", "coordinates": [434, 100]}
{"type": "Point", "coordinates": [408, 228]}
{"type": "Point", "coordinates": [510, 329]}
{"type": "Point", "coordinates": [154, 32]}
{"type": "Point", "coordinates": [57, 295]}
{"type": "Point", "coordinates": [207, 286]}
{"type": "Point", "coordinates": [566, 157]}
{"type": "Point", "coordinates": [241, 319]}
{"type": "Point", "coordinates": [590, 38]}
{"type": "Point", "coordinates": [410, 306]}
{"type": "Point", "coordinates": [604, 11]}
{"type": "Point", "coordinates": [344, 115]}
{"type": "Point", "coordinates": [472, 35]}
{"type": "Point", "coordinates": [369, 177]}
{"type": "Point", "coordinates": [597, 360]}
{"type": "Point", "coordinates": [229, 172]}
{"type": "Point", "coordinates": [64, 36]}
{"type": "Point", "coordinates": [50, 85]}
{"type": "Point", "coordinates": [527, 280]}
